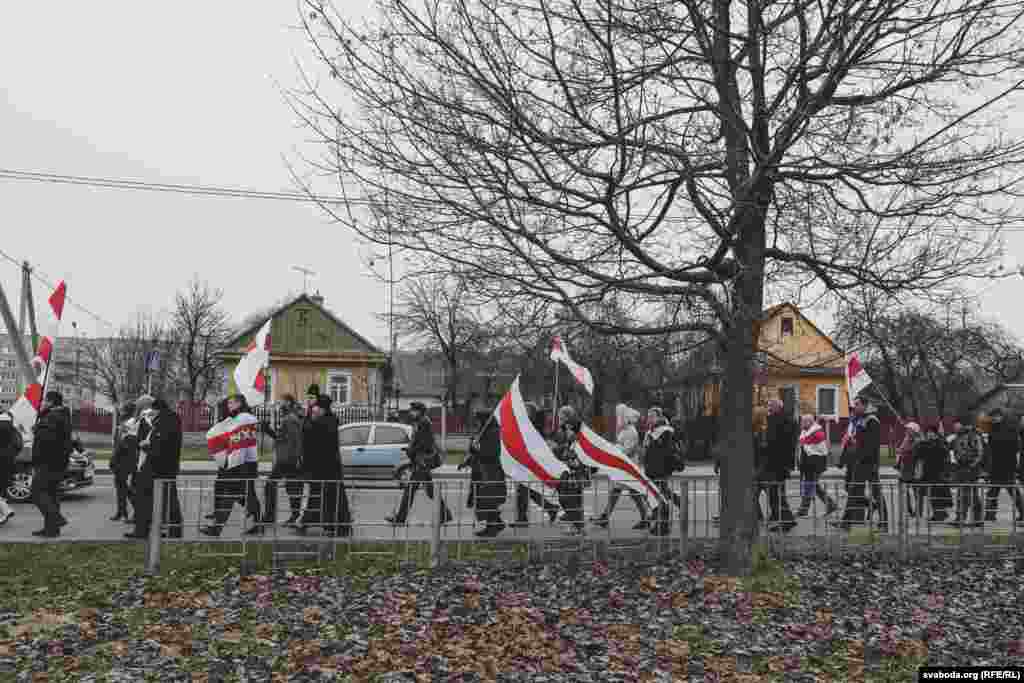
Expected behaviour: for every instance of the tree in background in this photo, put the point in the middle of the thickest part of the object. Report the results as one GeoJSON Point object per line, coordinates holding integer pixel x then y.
{"type": "Point", "coordinates": [199, 328]}
{"type": "Point", "coordinates": [695, 151]}
{"type": "Point", "coordinates": [117, 364]}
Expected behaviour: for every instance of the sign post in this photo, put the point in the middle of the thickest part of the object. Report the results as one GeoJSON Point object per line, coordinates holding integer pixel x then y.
{"type": "Point", "coordinates": [152, 365]}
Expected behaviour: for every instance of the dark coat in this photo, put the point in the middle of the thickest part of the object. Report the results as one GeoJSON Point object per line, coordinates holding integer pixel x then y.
{"type": "Point", "coordinates": [52, 445]}
{"type": "Point", "coordinates": [321, 455]}
{"type": "Point", "coordinates": [423, 444]}
{"type": "Point", "coordinates": [1004, 444]}
{"type": "Point", "coordinates": [125, 459]}
{"type": "Point", "coordinates": [489, 489]}
{"type": "Point", "coordinates": [868, 445]}
{"type": "Point", "coordinates": [165, 445]}
{"type": "Point", "coordinates": [8, 440]}
{"type": "Point", "coordinates": [780, 446]}
{"type": "Point", "coordinates": [659, 455]}
{"type": "Point", "coordinates": [934, 456]}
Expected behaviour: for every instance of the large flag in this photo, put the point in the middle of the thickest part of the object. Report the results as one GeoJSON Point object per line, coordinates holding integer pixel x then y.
{"type": "Point", "coordinates": [232, 441]}
{"type": "Point", "coordinates": [594, 451]}
{"type": "Point", "coordinates": [525, 455]}
{"type": "Point", "coordinates": [560, 354]}
{"type": "Point", "coordinates": [26, 408]}
{"type": "Point", "coordinates": [249, 374]}
{"type": "Point", "coordinates": [857, 379]}
{"type": "Point", "coordinates": [622, 413]}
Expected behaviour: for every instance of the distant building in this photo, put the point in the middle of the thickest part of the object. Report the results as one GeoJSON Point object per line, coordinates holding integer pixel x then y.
{"type": "Point", "coordinates": [311, 345]}
{"type": "Point", "coordinates": [71, 373]}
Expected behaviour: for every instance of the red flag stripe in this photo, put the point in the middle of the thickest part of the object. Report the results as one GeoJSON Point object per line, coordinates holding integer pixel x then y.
{"type": "Point", "coordinates": [45, 349]}
{"type": "Point", "coordinates": [815, 438]}
{"type": "Point", "coordinates": [512, 439]}
{"type": "Point", "coordinates": [34, 394]}
{"type": "Point", "coordinates": [610, 460]}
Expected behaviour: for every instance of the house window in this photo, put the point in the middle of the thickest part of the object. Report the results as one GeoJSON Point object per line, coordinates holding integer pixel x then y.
{"type": "Point", "coordinates": [787, 327]}
{"type": "Point", "coordinates": [339, 386]}
{"type": "Point", "coordinates": [828, 401]}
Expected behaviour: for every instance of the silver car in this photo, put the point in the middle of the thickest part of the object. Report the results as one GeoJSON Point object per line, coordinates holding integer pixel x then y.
{"type": "Point", "coordinates": [374, 446]}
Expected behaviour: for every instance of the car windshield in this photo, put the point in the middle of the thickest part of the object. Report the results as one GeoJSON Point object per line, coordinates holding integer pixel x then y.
{"type": "Point", "coordinates": [387, 434]}
{"type": "Point", "coordinates": [354, 436]}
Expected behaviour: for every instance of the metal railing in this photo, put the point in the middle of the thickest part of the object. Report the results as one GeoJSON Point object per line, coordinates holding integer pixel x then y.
{"type": "Point", "coordinates": [838, 518]}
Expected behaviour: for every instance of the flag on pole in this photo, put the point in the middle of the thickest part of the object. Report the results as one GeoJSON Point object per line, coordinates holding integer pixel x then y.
{"type": "Point", "coordinates": [594, 451]}
{"type": "Point", "coordinates": [525, 455]}
{"type": "Point", "coordinates": [857, 379]}
{"type": "Point", "coordinates": [57, 299]}
{"type": "Point", "coordinates": [249, 376]}
{"type": "Point", "coordinates": [232, 441]}
{"type": "Point", "coordinates": [560, 354]}
{"type": "Point", "coordinates": [26, 408]}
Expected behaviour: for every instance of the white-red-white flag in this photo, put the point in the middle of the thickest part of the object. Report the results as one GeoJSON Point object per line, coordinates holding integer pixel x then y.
{"type": "Point", "coordinates": [232, 442]}
{"type": "Point", "coordinates": [560, 354]}
{"type": "Point", "coordinates": [249, 376]}
{"type": "Point", "coordinates": [857, 379]}
{"type": "Point", "coordinates": [26, 409]}
{"type": "Point", "coordinates": [525, 455]}
{"type": "Point", "coordinates": [57, 299]}
{"type": "Point", "coordinates": [595, 451]}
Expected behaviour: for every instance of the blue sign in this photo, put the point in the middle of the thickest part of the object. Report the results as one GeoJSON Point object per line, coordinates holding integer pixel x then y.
{"type": "Point", "coordinates": [152, 361]}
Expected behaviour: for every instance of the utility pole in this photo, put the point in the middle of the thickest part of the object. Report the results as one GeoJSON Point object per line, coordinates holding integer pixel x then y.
{"type": "Point", "coordinates": [29, 301]}
{"type": "Point", "coordinates": [24, 364]}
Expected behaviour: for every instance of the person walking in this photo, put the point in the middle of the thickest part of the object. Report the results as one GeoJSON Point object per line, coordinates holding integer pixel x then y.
{"type": "Point", "coordinates": [932, 457]}
{"type": "Point", "coordinates": [907, 465]}
{"type": "Point", "coordinates": [861, 452]}
{"type": "Point", "coordinates": [287, 461]}
{"type": "Point", "coordinates": [629, 442]}
{"type": "Point", "coordinates": [11, 443]}
{"type": "Point", "coordinates": [968, 456]}
{"type": "Point", "coordinates": [488, 490]}
{"type": "Point", "coordinates": [232, 484]}
{"type": "Point", "coordinates": [781, 440]}
{"type": "Point", "coordinates": [525, 493]}
{"type": "Point", "coordinates": [51, 451]}
{"type": "Point", "coordinates": [659, 454]}
{"type": "Point", "coordinates": [321, 464]}
{"type": "Point", "coordinates": [160, 459]}
{"type": "Point", "coordinates": [1004, 445]}
{"type": "Point", "coordinates": [423, 457]}
{"type": "Point", "coordinates": [576, 477]}
{"type": "Point", "coordinates": [125, 460]}
{"type": "Point", "coordinates": [813, 462]}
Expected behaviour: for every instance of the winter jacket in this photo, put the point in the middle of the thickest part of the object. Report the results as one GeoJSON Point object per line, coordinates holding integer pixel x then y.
{"type": "Point", "coordinates": [933, 456]}
{"type": "Point", "coordinates": [814, 449]}
{"type": "Point", "coordinates": [321, 455]}
{"type": "Point", "coordinates": [125, 459]}
{"type": "Point", "coordinates": [780, 445]}
{"type": "Point", "coordinates": [1004, 443]}
{"type": "Point", "coordinates": [489, 490]}
{"type": "Point", "coordinates": [288, 440]}
{"type": "Point", "coordinates": [905, 462]}
{"type": "Point", "coordinates": [968, 452]}
{"type": "Point", "coordinates": [659, 452]}
{"type": "Point", "coordinates": [423, 447]}
{"type": "Point", "coordinates": [51, 447]}
{"type": "Point", "coordinates": [629, 441]}
{"type": "Point", "coordinates": [164, 457]}
{"type": "Point", "coordinates": [9, 440]}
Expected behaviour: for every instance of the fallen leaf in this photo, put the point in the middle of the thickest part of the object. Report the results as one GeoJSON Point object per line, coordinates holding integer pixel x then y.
{"type": "Point", "coordinates": [232, 633]}
{"type": "Point", "coordinates": [768, 600]}
{"type": "Point", "coordinates": [119, 648]}
{"type": "Point", "coordinates": [265, 631]}
{"type": "Point", "coordinates": [648, 584]}
{"type": "Point", "coordinates": [7, 648]}
{"type": "Point", "coordinates": [720, 584]}
{"type": "Point", "coordinates": [312, 615]}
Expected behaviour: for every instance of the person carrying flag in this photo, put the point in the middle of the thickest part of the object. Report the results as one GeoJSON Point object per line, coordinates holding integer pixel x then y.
{"type": "Point", "coordinates": [232, 484]}
{"type": "Point", "coordinates": [629, 442]}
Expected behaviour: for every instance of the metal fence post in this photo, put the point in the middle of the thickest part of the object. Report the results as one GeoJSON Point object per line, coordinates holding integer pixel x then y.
{"type": "Point", "coordinates": [435, 525]}
{"type": "Point", "coordinates": [684, 515]}
{"type": "Point", "coordinates": [901, 519]}
{"type": "Point", "coordinates": [156, 523]}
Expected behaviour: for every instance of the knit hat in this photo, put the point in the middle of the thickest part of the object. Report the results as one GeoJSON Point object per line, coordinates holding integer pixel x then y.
{"type": "Point", "coordinates": [313, 391]}
{"type": "Point", "coordinates": [55, 398]}
{"type": "Point", "coordinates": [324, 402]}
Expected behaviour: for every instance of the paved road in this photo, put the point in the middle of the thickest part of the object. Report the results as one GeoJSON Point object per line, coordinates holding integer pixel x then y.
{"type": "Point", "coordinates": [89, 511]}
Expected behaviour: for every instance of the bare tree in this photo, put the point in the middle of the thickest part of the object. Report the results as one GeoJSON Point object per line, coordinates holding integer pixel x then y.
{"type": "Point", "coordinates": [117, 364]}
{"type": "Point", "coordinates": [200, 329]}
{"type": "Point", "coordinates": [438, 314]}
{"type": "Point", "coordinates": [693, 151]}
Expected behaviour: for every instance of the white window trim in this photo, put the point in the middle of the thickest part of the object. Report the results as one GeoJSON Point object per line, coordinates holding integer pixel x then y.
{"type": "Point", "coordinates": [817, 400]}
{"type": "Point", "coordinates": [331, 374]}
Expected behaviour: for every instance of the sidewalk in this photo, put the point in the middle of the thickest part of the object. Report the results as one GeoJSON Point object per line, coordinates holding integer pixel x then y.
{"type": "Point", "coordinates": [200, 468]}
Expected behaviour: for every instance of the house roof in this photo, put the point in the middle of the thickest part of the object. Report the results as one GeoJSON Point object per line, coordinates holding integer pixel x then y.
{"type": "Point", "coordinates": [775, 310]}
{"type": "Point", "coordinates": [312, 301]}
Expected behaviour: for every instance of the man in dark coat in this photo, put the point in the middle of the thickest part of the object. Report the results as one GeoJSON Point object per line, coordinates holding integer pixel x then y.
{"type": "Point", "coordinates": [125, 460]}
{"type": "Point", "coordinates": [421, 451]}
{"type": "Point", "coordinates": [488, 490]}
{"type": "Point", "coordinates": [160, 460]}
{"type": "Point", "coordinates": [51, 451]}
{"type": "Point", "coordinates": [11, 443]}
{"type": "Point", "coordinates": [659, 463]}
{"type": "Point", "coordinates": [233, 484]}
{"type": "Point", "coordinates": [781, 439]}
{"type": "Point", "coordinates": [287, 461]}
{"type": "Point", "coordinates": [1004, 445]}
{"type": "Point", "coordinates": [861, 458]}
{"type": "Point", "coordinates": [321, 464]}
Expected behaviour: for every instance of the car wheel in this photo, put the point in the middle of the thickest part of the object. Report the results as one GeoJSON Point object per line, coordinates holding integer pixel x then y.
{"type": "Point", "coordinates": [20, 490]}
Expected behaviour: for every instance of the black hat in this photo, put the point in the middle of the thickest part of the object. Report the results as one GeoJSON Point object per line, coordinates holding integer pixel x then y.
{"type": "Point", "coordinates": [313, 391]}
{"type": "Point", "coordinates": [55, 398]}
{"type": "Point", "coordinates": [324, 402]}
{"type": "Point", "coordinates": [416, 405]}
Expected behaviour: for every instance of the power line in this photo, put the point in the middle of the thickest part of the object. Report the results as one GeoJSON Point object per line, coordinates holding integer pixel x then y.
{"type": "Point", "coordinates": [51, 285]}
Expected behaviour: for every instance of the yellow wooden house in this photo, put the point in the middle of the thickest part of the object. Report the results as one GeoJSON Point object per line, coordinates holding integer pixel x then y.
{"type": "Point", "coordinates": [310, 345]}
{"type": "Point", "coordinates": [798, 364]}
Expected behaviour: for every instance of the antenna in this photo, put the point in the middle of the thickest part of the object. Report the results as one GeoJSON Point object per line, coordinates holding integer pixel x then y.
{"type": "Point", "coordinates": [306, 273]}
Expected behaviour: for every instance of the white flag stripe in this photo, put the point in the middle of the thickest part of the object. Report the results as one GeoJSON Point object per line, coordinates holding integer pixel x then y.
{"type": "Point", "coordinates": [560, 354]}
{"type": "Point", "coordinates": [251, 365]}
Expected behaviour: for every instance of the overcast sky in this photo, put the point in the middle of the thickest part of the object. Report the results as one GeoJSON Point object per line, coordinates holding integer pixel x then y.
{"type": "Point", "coordinates": [184, 92]}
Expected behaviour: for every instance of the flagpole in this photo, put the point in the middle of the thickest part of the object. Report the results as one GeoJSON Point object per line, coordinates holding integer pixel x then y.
{"type": "Point", "coordinates": [554, 422]}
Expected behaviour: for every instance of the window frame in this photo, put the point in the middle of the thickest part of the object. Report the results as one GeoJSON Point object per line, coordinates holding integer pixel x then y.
{"type": "Point", "coordinates": [835, 400]}
{"type": "Point", "coordinates": [792, 327]}
{"type": "Point", "coordinates": [377, 430]}
{"type": "Point", "coordinates": [354, 428]}
{"type": "Point", "coordinates": [347, 374]}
